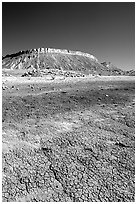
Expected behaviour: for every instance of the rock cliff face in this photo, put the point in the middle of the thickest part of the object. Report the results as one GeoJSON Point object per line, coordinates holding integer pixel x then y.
{"type": "Point", "coordinates": [43, 61]}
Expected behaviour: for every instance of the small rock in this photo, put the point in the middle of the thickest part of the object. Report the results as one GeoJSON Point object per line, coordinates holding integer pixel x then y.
{"type": "Point", "coordinates": [121, 144]}
{"type": "Point", "coordinates": [32, 87]}
{"type": "Point", "coordinates": [64, 92]}
{"type": "Point", "coordinates": [4, 87]}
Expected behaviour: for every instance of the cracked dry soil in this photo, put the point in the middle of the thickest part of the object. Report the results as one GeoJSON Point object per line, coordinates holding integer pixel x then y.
{"type": "Point", "coordinates": [76, 143]}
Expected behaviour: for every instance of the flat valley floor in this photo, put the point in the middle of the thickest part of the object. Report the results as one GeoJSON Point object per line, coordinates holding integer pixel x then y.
{"type": "Point", "coordinates": [68, 140]}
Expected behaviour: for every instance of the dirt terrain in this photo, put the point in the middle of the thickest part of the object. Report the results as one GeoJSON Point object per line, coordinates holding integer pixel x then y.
{"type": "Point", "coordinates": [68, 140]}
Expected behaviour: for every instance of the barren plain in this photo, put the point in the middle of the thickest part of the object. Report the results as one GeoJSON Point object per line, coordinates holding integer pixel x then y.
{"type": "Point", "coordinates": [68, 140]}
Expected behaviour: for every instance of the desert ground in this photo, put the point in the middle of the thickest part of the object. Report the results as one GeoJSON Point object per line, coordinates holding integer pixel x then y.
{"type": "Point", "coordinates": [68, 140]}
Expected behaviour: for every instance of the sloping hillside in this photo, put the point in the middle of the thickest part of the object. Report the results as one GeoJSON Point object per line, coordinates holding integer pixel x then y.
{"type": "Point", "coordinates": [43, 61]}
{"type": "Point", "coordinates": [113, 70]}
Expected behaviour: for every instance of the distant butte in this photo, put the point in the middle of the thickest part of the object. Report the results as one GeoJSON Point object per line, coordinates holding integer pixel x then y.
{"type": "Point", "coordinates": [49, 61]}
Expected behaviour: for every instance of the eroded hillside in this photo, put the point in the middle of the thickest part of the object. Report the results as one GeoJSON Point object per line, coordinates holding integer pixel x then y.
{"type": "Point", "coordinates": [44, 61]}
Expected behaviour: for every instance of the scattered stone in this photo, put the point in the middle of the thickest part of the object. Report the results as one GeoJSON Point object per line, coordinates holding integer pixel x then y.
{"type": "Point", "coordinates": [32, 87]}
{"type": "Point", "coordinates": [99, 98]}
{"type": "Point", "coordinates": [64, 92]}
{"type": "Point", "coordinates": [4, 87]}
{"type": "Point", "coordinates": [121, 144]}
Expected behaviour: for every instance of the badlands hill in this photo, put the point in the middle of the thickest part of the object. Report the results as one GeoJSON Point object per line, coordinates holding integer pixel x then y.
{"type": "Point", "coordinates": [47, 61]}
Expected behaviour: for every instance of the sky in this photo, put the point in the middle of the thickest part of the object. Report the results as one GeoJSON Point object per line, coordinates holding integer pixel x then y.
{"type": "Point", "coordinates": [103, 29]}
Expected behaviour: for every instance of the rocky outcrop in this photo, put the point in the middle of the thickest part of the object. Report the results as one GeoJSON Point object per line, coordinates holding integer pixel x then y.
{"type": "Point", "coordinates": [131, 72]}
{"type": "Point", "coordinates": [50, 50]}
